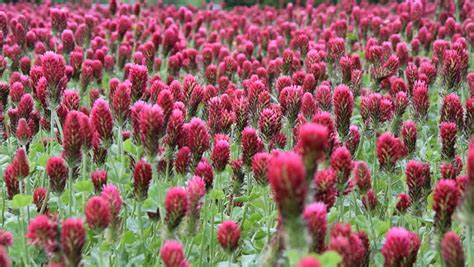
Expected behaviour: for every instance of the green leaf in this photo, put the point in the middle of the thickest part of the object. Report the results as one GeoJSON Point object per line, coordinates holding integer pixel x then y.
{"type": "Point", "coordinates": [216, 194]}
{"type": "Point", "coordinates": [128, 238]}
{"type": "Point", "coordinates": [129, 147]}
{"type": "Point", "coordinates": [84, 186]}
{"type": "Point", "coordinates": [20, 201]}
{"type": "Point", "coordinates": [329, 259]}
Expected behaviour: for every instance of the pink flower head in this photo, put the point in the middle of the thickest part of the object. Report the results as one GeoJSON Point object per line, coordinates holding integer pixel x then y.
{"type": "Point", "coordinates": [99, 179]}
{"type": "Point", "coordinates": [57, 172]}
{"type": "Point", "coordinates": [176, 205]}
{"type": "Point", "coordinates": [286, 175]}
{"type": "Point", "coordinates": [111, 194]}
{"type": "Point", "coordinates": [445, 200]}
{"type": "Point", "coordinates": [151, 126]}
{"type": "Point", "coordinates": [204, 170]}
{"type": "Point", "coordinates": [6, 238]}
{"type": "Point", "coordinates": [20, 163]}
{"type": "Point", "coordinates": [451, 70]}
{"type": "Point", "coordinates": [23, 132]}
{"type": "Point", "coordinates": [196, 189]}
{"type": "Point", "coordinates": [417, 179]}
{"type": "Point", "coordinates": [315, 216]}
{"type": "Point", "coordinates": [452, 110]}
{"type": "Point", "coordinates": [269, 123]}
{"type": "Point", "coordinates": [54, 70]}
{"type": "Point", "coordinates": [97, 213]}
{"type": "Point", "coordinates": [228, 235]}
{"type": "Point", "coordinates": [369, 200]}
{"type": "Point", "coordinates": [312, 145]}
{"type": "Point", "coordinates": [452, 250]}
{"type": "Point", "coordinates": [343, 107]}
{"type": "Point", "coordinates": [290, 101]}
{"type": "Point", "coordinates": [172, 254]}
{"type": "Point", "coordinates": [42, 231]}
{"type": "Point", "coordinates": [182, 160]}
{"type": "Point", "coordinates": [353, 140]}
{"type": "Point", "coordinates": [309, 261]}
{"type": "Point", "coordinates": [142, 175]}
{"type": "Point", "coordinates": [323, 96]}
{"type": "Point", "coordinates": [389, 150]}
{"type": "Point", "coordinates": [4, 260]}
{"type": "Point", "coordinates": [400, 247]}
{"type": "Point", "coordinates": [73, 235]}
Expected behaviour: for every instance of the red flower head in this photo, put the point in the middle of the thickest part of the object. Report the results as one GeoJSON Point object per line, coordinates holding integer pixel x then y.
{"type": "Point", "coordinates": [121, 100]}
{"type": "Point", "coordinates": [39, 198]}
{"type": "Point", "coordinates": [220, 155]}
{"type": "Point", "coordinates": [343, 107]}
{"type": "Point", "coordinates": [183, 159]}
{"type": "Point", "coordinates": [452, 250]}
{"type": "Point", "coordinates": [6, 238]}
{"type": "Point", "coordinates": [323, 96]}
{"type": "Point", "coordinates": [309, 261]}
{"type": "Point", "coordinates": [73, 235]}
{"type": "Point", "coordinates": [111, 194]}
{"type": "Point", "coordinates": [352, 142]}
{"type": "Point", "coordinates": [25, 106]}
{"type": "Point", "coordinates": [97, 213]}
{"type": "Point", "coordinates": [409, 134]}
{"type": "Point", "coordinates": [290, 101]}
{"type": "Point", "coordinates": [17, 90]}
{"type": "Point", "coordinates": [11, 181]}
{"type": "Point", "coordinates": [42, 232]}
{"type": "Point", "coordinates": [196, 190]}
{"type": "Point", "coordinates": [251, 144]}
{"type": "Point", "coordinates": [389, 150]}
{"type": "Point", "coordinates": [308, 106]}
{"type": "Point", "coordinates": [72, 140]}
{"type": "Point", "coordinates": [286, 175]}
{"type": "Point", "coordinates": [198, 138]}
{"type": "Point", "coordinates": [173, 127]}
{"type": "Point", "coordinates": [348, 245]}
{"type": "Point", "coordinates": [345, 65]}
{"type": "Point", "coordinates": [448, 132]}
{"type": "Point", "coordinates": [23, 132]}
{"type": "Point", "coordinates": [325, 184]}
{"type": "Point", "coordinates": [204, 170]}
{"type": "Point", "coordinates": [260, 164]}
{"type": "Point", "coordinates": [151, 126]}
{"type": "Point", "coordinates": [71, 100]}
{"type": "Point", "coordinates": [138, 76]}
{"type": "Point", "coordinates": [57, 173]}
{"type": "Point", "coordinates": [20, 163]}
{"type": "Point", "coordinates": [101, 118]}
{"type": "Point", "coordinates": [172, 254]}
{"type": "Point", "coordinates": [315, 215]}
{"type": "Point", "coordinates": [336, 49]}
{"type": "Point", "coordinates": [403, 203]}
{"type": "Point", "coordinates": [99, 179]}
{"type": "Point", "coordinates": [448, 171]}
{"type": "Point", "coordinates": [67, 38]}
{"type": "Point", "coordinates": [312, 145]}
{"type": "Point", "coordinates": [421, 101]}
{"type": "Point", "coordinates": [400, 247]}
{"type": "Point", "coordinates": [269, 123]}
{"type": "Point", "coordinates": [142, 175]}
{"type": "Point", "coordinates": [469, 118]}
{"type": "Point", "coordinates": [445, 200]}
{"type": "Point", "coordinates": [370, 200]}
{"type": "Point", "coordinates": [362, 176]}
{"type": "Point", "coordinates": [87, 132]}
{"type": "Point", "coordinates": [54, 70]}
{"type": "Point", "coordinates": [416, 178]}
{"type": "Point", "coordinates": [4, 260]}
{"type": "Point", "coordinates": [341, 163]}
{"type": "Point", "coordinates": [452, 69]}
{"type": "Point", "coordinates": [176, 205]}
{"type": "Point", "coordinates": [228, 235]}
{"type": "Point", "coordinates": [452, 110]}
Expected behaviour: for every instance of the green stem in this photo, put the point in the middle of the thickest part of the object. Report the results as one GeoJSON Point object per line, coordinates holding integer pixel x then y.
{"type": "Point", "coordinates": [140, 225]}
{"type": "Point", "coordinates": [341, 207]}
{"type": "Point", "coordinates": [469, 244]}
{"type": "Point", "coordinates": [71, 199]}
{"type": "Point", "coordinates": [203, 234]}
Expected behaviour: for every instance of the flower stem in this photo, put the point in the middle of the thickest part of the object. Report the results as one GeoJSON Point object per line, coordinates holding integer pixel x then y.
{"type": "Point", "coordinates": [71, 199]}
